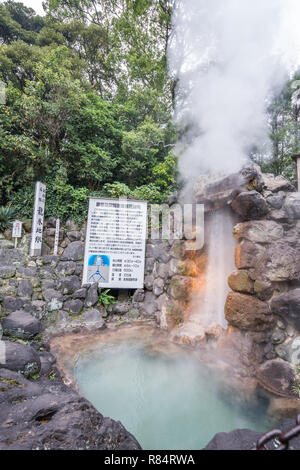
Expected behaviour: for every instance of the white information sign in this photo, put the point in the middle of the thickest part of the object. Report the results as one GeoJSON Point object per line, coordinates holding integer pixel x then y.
{"type": "Point", "coordinates": [115, 243]}
{"type": "Point", "coordinates": [57, 226]}
{"type": "Point", "coordinates": [38, 219]}
{"type": "Point", "coordinates": [17, 229]}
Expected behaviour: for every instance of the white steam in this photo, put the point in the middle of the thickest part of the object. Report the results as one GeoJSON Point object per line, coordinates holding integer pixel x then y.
{"type": "Point", "coordinates": [228, 56]}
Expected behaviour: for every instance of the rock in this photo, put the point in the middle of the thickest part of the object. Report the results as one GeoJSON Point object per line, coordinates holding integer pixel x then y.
{"type": "Point", "coordinates": [277, 376]}
{"type": "Point", "coordinates": [247, 254]}
{"type": "Point", "coordinates": [11, 304]}
{"type": "Point", "coordinates": [80, 293]}
{"type": "Point", "coordinates": [66, 268]}
{"type": "Point", "coordinates": [71, 225]}
{"type": "Point", "coordinates": [180, 288]}
{"type": "Point", "coordinates": [73, 252]}
{"type": "Point", "coordinates": [6, 244]}
{"type": "Point", "coordinates": [295, 351]}
{"type": "Point", "coordinates": [276, 183]}
{"type": "Point", "coordinates": [158, 251]}
{"type": "Point", "coordinates": [278, 336]}
{"type": "Point", "coordinates": [149, 265]}
{"type": "Point", "coordinates": [40, 416]}
{"type": "Point", "coordinates": [92, 297]}
{"type": "Point", "coordinates": [283, 408]}
{"type": "Point", "coordinates": [54, 299]}
{"type": "Point", "coordinates": [47, 362]}
{"type": "Point", "coordinates": [292, 206]}
{"type": "Point", "coordinates": [279, 262]}
{"type": "Point", "coordinates": [139, 295]}
{"type": "Point", "coordinates": [239, 439]}
{"type": "Point", "coordinates": [263, 290]}
{"type": "Point", "coordinates": [121, 308]}
{"type": "Point", "coordinates": [69, 284]}
{"type": "Point", "coordinates": [47, 272]}
{"type": "Point", "coordinates": [74, 236]}
{"type": "Point", "coordinates": [25, 289]}
{"type": "Point", "coordinates": [7, 271]}
{"type": "Point", "coordinates": [239, 281]}
{"type": "Point", "coordinates": [214, 331]}
{"type": "Point", "coordinates": [288, 305]}
{"type": "Point", "coordinates": [21, 325]}
{"type": "Point", "coordinates": [276, 202]}
{"type": "Point", "coordinates": [250, 205]}
{"type": "Point", "coordinates": [21, 358]}
{"type": "Point", "coordinates": [73, 306]}
{"type": "Point", "coordinates": [158, 287]}
{"type": "Point", "coordinates": [149, 306]}
{"type": "Point", "coordinates": [27, 225]}
{"type": "Point", "coordinates": [259, 231]}
{"type": "Point", "coordinates": [93, 318]}
{"type": "Point", "coordinates": [247, 313]}
{"type": "Point", "coordinates": [148, 281]}
{"type": "Point", "coordinates": [27, 273]}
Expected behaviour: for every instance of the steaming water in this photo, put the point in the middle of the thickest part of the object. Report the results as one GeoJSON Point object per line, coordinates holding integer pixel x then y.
{"type": "Point", "coordinates": [165, 402]}
{"type": "Point", "coordinates": [221, 246]}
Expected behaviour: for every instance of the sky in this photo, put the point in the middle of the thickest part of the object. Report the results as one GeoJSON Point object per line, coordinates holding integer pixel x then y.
{"type": "Point", "coordinates": [35, 4]}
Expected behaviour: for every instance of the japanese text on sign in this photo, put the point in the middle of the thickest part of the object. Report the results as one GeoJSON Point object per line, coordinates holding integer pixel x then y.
{"type": "Point", "coordinates": [115, 243]}
{"type": "Point", "coordinates": [38, 219]}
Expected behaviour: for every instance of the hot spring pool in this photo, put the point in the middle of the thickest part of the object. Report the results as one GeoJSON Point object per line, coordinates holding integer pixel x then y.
{"type": "Point", "coordinates": [165, 401]}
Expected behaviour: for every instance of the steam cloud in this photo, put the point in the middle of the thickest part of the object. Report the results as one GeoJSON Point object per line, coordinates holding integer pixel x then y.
{"type": "Point", "coordinates": [228, 55]}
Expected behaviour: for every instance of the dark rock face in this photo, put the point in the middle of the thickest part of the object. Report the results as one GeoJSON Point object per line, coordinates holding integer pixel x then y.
{"type": "Point", "coordinates": [288, 305]}
{"type": "Point", "coordinates": [37, 416]}
{"type": "Point", "coordinates": [73, 252]}
{"type": "Point", "coordinates": [277, 375]}
{"type": "Point", "coordinates": [239, 439]}
{"type": "Point", "coordinates": [250, 205]}
{"type": "Point", "coordinates": [21, 358]}
{"type": "Point", "coordinates": [21, 325]}
{"type": "Point", "coordinates": [92, 296]}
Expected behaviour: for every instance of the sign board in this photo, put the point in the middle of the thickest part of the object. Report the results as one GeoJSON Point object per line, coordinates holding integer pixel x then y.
{"type": "Point", "coordinates": [56, 238]}
{"type": "Point", "coordinates": [38, 219]}
{"type": "Point", "coordinates": [115, 243]}
{"type": "Point", "coordinates": [17, 229]}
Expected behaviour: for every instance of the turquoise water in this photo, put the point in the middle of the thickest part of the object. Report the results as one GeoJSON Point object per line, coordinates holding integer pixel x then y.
{"type": "Point", "coordinates": [165, 402]}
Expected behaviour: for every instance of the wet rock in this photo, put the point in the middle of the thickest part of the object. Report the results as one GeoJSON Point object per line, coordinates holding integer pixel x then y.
{"type": "Point", "coordinates": [247, 313]}
{"type": "Point", "coordinates": [277, 375]}
{"type": "Point", "coordinates": [25, 288]}
{"type": "Point", "coordinates": [92, 296]}
{"type": "Point", "coordinates": [180, 288]}
{"type": "Point", "coordinates": [21, 358]}
{"type": "Point", "coordinates": [239, 281]}
{"type": "Point", "coordinates": [7, 271]}
{"type": "Point", "coordinates": [239, 439]}
{"type": "Point", "coordinates": [279, 262]}
{"type": "Point", "coordinates": [73, 252]}
{"type": "Point", "coordinates": [40, 416]}
{"type": "Point", "coordinates": [21, 324]}
{"type": "Point", "coordinates": [247, 254]}
{"type": "Point", "coordinates": [288, 305]}
{"type": "Point", "coordinates": [259, 231]}
{"type": "Point", "coordinates": [250, 205]}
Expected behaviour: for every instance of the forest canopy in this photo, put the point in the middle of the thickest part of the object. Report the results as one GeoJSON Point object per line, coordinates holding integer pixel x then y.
{"type": "Point", "coordinates": [89, 105]}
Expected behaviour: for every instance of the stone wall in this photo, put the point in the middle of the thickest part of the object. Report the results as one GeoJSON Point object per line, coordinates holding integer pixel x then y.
{"type": "Point", "coordinates": [264, 305]}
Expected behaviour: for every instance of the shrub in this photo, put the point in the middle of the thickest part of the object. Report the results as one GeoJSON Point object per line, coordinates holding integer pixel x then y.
{"type": "Point", "coordinates": [7, 216]}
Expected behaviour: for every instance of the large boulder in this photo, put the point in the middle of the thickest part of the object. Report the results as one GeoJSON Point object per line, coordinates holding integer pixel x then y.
{"type": "Point", "coordinates": [239, 439]}
{"type": "Point", "coordinates": [279, 262]}
{"type": "Point", "coordinates": [288, 305]}
{"type": "Point", "coordinates": [20, 358]}
{"type": "Point", "coordinates": [73, 252]}
{"type": "Point", "coordinates": [239, 281]}
{"type": "Point", "coordinates": [292, 206]}
{"type": "Point", "coordinates": [277, 376]}
{"type": "Point", "coordinates": [39, 417]}
{"type": "Point", "coordinates": [21, 325]}
{"type": "Point", "coordinates": [250, 205]}
{"type": "Point", "coordinates": [247, 254]}
{"type": "Point", "coordinates": [276, 183]}
{"type": "Point", "coordinates": [247, 313]}
{"type": "Point", "coordinates": [259, 231]}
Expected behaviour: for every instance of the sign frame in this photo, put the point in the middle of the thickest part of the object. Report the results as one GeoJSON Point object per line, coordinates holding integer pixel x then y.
{"type": "Point", "coordinates": [102, 255]}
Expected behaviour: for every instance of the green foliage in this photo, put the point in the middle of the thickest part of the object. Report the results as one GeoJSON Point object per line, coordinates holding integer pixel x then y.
{"type": "Point", "coordinates": [105, 299]}
{"type": "Point", "coordinates": [7, 216]}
